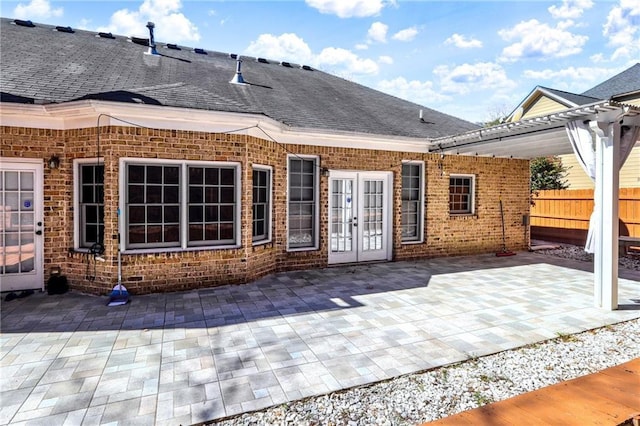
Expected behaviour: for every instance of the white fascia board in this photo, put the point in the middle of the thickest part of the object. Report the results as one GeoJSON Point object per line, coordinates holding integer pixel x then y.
{"type": "Point", "coordinates": [86, 113]}
{"type": "Point", "coordinates": [554, 96]}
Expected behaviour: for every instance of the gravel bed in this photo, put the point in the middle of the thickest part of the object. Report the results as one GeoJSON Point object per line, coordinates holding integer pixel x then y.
{"type": "Point", "coordinates": [577, 253]}
{"type": "Point", "coordinates": [427, 396]}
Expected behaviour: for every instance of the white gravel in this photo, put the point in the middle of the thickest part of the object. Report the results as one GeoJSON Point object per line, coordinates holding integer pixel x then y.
{"type": "Point", "coordinates": [422, 397]}
{"type": "Point", "coordinates": [441, 392]}
{"type": "Point", "coordinates": [577, 253]}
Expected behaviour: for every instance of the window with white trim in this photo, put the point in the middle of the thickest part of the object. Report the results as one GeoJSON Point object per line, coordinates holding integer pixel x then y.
{"type": "Point", "coordinates": [89, 176]}
{"type": "Point", "coordinates": [261, 216]}
{"type": "Point", "coordinates": [461, 194]}
{"type": "Point", "coordinates": [173, 204]}
{"type": "Point", "coordinates": [412, 201]}
{"type": "Point", "coordinates": [303, 202]}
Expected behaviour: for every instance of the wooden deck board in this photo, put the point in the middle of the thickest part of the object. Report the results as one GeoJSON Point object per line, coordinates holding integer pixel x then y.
{"type": "Point", "coordinates": [608, 397]}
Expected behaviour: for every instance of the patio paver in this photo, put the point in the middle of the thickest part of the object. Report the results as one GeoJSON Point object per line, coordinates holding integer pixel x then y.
{"type": "Point", "coordinates": [183, 358]}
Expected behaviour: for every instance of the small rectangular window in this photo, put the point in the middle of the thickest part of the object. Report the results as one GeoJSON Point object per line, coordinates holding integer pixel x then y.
{"type": "Point", "coordinates": [91, 204]}
{"type": "Point", "coordinates": [303, 202]}
{"type": "Point", "coordinates": [461, 194]}
{"type": "Point", "coordinates": [261, 204]}
{"type": "Point", "coordinates": [412, 202]}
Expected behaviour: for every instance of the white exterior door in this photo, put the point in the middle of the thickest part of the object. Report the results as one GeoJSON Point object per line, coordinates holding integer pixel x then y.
{"type": "Point", "coordinates": [21, 225]}
{"type": "Point", "coordinates": [359, 216]}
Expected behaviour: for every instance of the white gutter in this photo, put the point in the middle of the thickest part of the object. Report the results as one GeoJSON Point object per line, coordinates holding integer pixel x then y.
{"type": "Point", "coordinates": [85, 113]}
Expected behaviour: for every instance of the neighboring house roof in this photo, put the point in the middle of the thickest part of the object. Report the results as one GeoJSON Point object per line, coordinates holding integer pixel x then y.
{"type": "Point", "coordinates": [559, 97]}
{"type": "Point", "coordinates": [41, 64]}
{"type": "Point", "coordinates": [571, 99]}
{"type": "Point", "coordinates": [626, 82]}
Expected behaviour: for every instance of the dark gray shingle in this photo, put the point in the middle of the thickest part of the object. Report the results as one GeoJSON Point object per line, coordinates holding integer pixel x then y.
{"type": "Point", "coordinates": [44, 65]}
{"type": "Point", "coordinates": [625, 82]}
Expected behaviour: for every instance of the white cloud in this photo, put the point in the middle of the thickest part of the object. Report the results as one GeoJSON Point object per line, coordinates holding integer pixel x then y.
{"type": "Point", "coordinates": [573, 79]}
{"type": "Point", "coordinates": [468, 78]}
{"type": "Point", "coordinates": [535, 40]}
{"type": "Point", "coordinates": [342, 61]}
{"type": "Point", "coordinates": [570, 9]}
{"type": "Point", "coordinates": [286, 47]}
{"type": "Point", "coordinates": [420, 92]}
{"type": "Point", "coordinates": [361, 46]}
{"type": "Point", "coordinates": [84, 24]}
{"type": "Point", "coordinates": [461, 41]}
{"type": "Point", "coordinates": [622, 28]}
{"type": "Point", "coordinates": [171, 24]}
{"type": "Point", "coordinates": [36, 9]}
{"type": "Point", "coordinates": [385, 60]}
{"type": "Point", "coordinates": [350, 8]}
{"type": "Point", "coordinates": [407, 34]}
{"type": "Point", "coordinates": [378, 32]}
{"type": "Point", "coordinates": [290, 47]}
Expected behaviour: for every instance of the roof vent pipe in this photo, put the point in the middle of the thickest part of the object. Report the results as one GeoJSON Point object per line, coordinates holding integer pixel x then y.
{"type": "Point", "coordinates": [152, 41]}
{"type": "Point", "coordinates": [237, 79]}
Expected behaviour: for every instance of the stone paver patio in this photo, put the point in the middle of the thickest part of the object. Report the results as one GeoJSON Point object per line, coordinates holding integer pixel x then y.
{"type": "Point", "coordinates": [183, 358]}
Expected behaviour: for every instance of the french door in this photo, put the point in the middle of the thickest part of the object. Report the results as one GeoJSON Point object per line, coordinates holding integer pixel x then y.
{"type": "Point", "coordinates": [21, 225]}
{"type": "Point", "coordinates": [359, 216]}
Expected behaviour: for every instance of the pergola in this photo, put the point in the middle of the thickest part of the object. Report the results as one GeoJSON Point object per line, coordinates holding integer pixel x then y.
{"type": "Point", "coordinates": [601, 135]}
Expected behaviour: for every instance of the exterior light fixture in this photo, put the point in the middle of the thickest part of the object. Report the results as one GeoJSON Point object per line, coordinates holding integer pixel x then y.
{"type": "Point", "coordinates": [53, 162]}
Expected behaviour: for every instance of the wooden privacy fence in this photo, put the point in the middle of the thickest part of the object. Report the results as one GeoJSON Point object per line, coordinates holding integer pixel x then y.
{"type": "Point", "coordinates": [567, 212]}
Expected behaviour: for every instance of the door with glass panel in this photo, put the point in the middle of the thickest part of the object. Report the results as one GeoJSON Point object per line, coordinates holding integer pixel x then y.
{"type": "Point", "coordinates": [21, 225]}
{"type": "Point", "coordinates": [359, 225]}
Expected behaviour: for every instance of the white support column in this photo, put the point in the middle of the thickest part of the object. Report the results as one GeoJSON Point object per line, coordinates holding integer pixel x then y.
{"type": "Point", "coordinates": [606, 197]}
{"type": "Point", "coordinates": [597, 210]}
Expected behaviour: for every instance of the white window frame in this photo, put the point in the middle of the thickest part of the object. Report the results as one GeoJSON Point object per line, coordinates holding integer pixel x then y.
{"type": "Point", "coordinates": [77, 210]}
{"type": "Point", "coordinates": [421, 208]}
{"type": "Point", "coordinates": [316, 195]}
{"type": "Point", "coordinates": [472, 195]}
{"type": "Point", "coordinates": [184, 207]}
{"type": "Point", "coordinates": [269, 170]}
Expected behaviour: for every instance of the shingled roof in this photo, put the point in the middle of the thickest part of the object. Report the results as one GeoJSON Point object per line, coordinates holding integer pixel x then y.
{"type": "Point", "coordinates": [571, 97]}
{"type": "Point", "coordinates": [42, 64]}
{"type": "Point", "coordinates": [626, 82]}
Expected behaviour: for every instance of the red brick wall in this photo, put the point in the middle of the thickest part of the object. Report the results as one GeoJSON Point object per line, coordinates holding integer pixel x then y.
{"type": "Point", "coordinates": [445, 235]}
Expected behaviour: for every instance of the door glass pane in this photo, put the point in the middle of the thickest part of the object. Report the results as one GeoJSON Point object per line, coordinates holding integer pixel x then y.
{"type": "Point", "coordinates": [372, 235]}
{"type": "Point", "coordinates": [11, 181]}
{"type": "Point", "coordinates": [17, 254]}
{"type": "Point", "coordinates": [26, 181]}
{"type": "Point", "coordinates": [342, 215]}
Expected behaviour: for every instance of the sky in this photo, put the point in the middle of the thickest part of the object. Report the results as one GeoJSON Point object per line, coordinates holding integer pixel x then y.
{"type": "Point", "coordinates": [476, 60]}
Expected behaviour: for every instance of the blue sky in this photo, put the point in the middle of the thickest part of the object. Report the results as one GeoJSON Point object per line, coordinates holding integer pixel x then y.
{"type": "Point", "coordinates": [476, 59]}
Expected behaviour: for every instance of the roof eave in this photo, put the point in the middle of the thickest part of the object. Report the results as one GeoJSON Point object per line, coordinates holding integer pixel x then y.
{"type": "Point", "coordinates": [602, 110]}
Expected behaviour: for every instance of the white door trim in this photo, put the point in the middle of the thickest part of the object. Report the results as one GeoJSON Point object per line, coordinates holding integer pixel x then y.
{"type": "Point", "coordinates": [355, 251]}
{"type": "Point", "coordinates": [34, 279]}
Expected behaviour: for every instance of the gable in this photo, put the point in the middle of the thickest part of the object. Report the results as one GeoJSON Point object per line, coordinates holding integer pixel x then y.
{"type": "Point", "coordinates": [543, 105]}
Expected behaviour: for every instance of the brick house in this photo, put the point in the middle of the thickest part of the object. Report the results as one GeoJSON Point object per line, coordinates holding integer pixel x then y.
{"type": "Point", "coordinates": [206, 170]}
